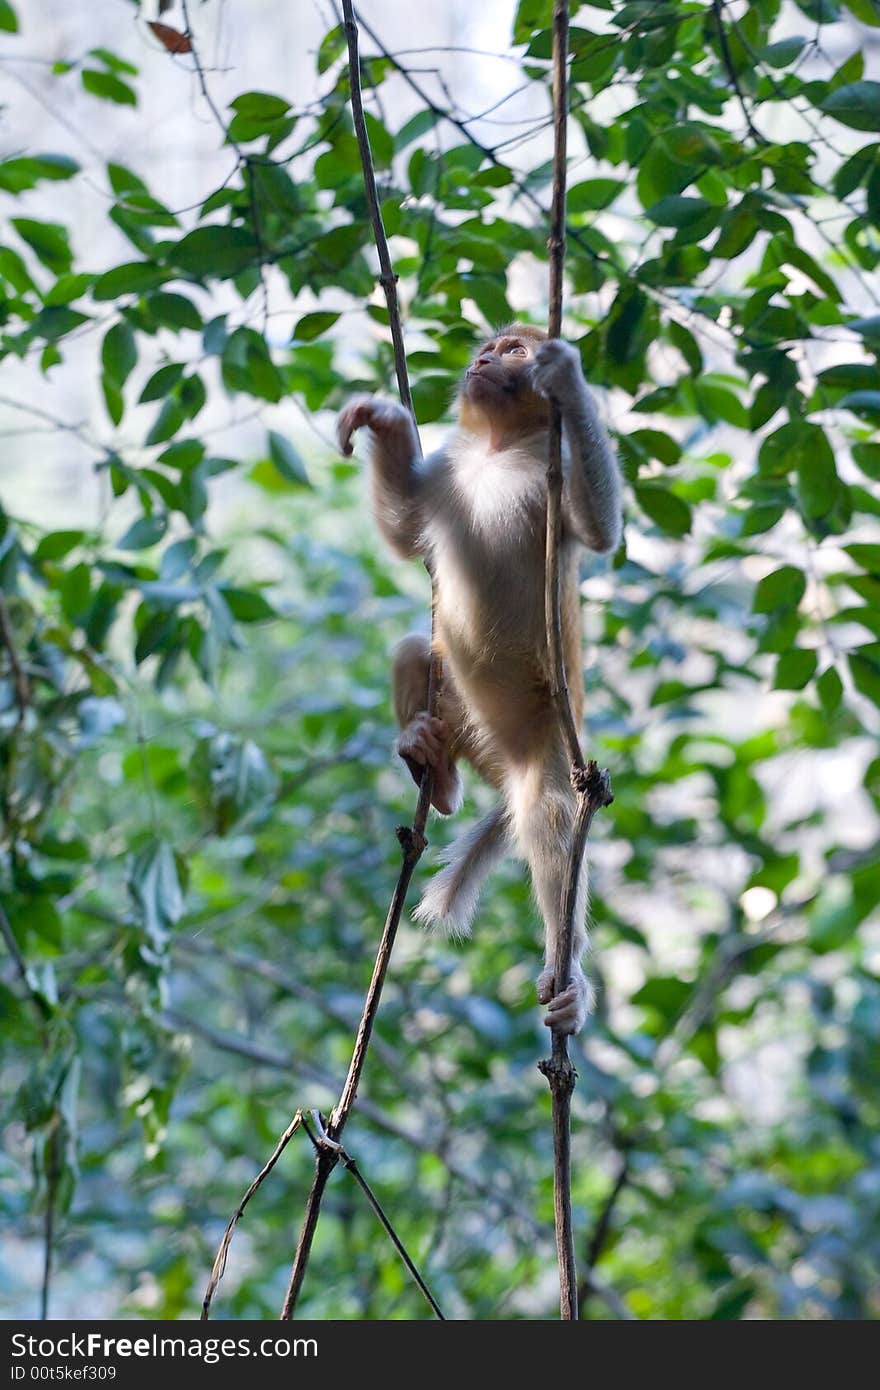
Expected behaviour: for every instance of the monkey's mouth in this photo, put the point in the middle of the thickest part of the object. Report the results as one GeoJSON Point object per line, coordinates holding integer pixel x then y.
{"type": "Point", "coordinates": [476, 379]}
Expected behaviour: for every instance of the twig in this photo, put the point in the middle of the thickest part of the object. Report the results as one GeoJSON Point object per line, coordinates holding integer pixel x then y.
{"type": "Point", "coordinates": [490, 1193]}
{"type": "Point", "coordinates": [387, 277]}
{"type": "Point", "coordinates": [727, 59]}
{"type": "Point", "coordinates": [348, 1162]}
{"type": "Point", "coordinates": [586, 1287]}
{"type": "Point", "coordinates": [219, 1267]}
{"type": "Point", "coordinates": [487, 151]}
{"type": "Point", "coordinates": [593, 788]}
{"type": "Point", "coordinates": [412, 840]}
{"type": "Point", "coordinates": [245, 163]}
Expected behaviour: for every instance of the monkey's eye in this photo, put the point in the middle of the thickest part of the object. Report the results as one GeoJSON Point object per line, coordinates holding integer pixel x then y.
{"type": "Point", "coordinates": [516, 351]}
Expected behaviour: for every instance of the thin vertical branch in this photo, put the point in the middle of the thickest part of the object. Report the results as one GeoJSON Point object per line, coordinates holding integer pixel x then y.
{"type": "Point", "coordinates": [219, 1266]}
{"type": "Point", "coordinates": [592, 787]}
{"type": "Point", "coordinates": [412, 839]}
{"type": "Point", "coordinates": [387, 277]}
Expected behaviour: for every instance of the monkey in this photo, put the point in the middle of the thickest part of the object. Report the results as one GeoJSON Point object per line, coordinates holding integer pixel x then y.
{"type": "Point", "coordinates": [475, 511]}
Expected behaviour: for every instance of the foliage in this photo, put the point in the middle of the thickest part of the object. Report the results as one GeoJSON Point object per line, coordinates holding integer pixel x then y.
{"type": "Point", "coordinates": [198, 815]}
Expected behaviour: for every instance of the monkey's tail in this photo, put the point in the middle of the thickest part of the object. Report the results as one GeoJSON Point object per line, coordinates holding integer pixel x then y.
{"type": "Point", "coordinates": [450, 899]}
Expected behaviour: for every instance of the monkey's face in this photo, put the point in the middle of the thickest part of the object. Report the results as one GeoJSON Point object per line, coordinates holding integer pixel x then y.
{"type": "Point", "coordinates": [497, 387]}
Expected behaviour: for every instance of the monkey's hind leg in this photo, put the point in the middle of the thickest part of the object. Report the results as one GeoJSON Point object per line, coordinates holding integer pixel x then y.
{"type": "Point", "coordinates": [542, 805]}
{"type": "Point", "coordinates": [424, 739]}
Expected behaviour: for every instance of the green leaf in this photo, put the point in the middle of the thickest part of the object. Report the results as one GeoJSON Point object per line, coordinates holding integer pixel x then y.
{"type": "Point", "coordinates": [287, 460]}
{"type": "Point", "coordinates": [830, 690]}
{"type": "Point", "coordinates": [155, 888]}
{"type": "Point", "coordinates": [260, 106]}
{"type": "Point", "coordinates": [664, 508]}
{"type": "Point", "coordinates": [820, 11]}
{"type": "Point", "coordinates": [119, 352]}
{"type": "Point", "coordinates": [215, 252]}
{"type": "Point", "coordinates": [108, 87]}
{"type": "Point", "coordinates": [417, 125]}
{"type": "Point", "coordinates": [658, 445]}
{"type": "Point", "coordinates": [57, 544]}
{"type": "Point", "coordinates": [8, 18]}
{"type": "Point", "coordinates": [784, 588]}
{"type": "Point", "coordinates": [866, 675]}
{"type": "Point", "coordinates": [868, 556]}
{"type": "Point", "coordinates": [247, 605]}
{"type": "Point", "coordinates": [232, 778]}
{"type": "Point", "coordinates": [66, 289]}
{"type": "Point", "coordinates": [16, 175]}
{"type": "Point", "coordinates": [184, 454]}
{"type": "Point", "coordinates": [867, 456]}
{"type": "Point", "coordinates": [594, 194]}
{"type": "Point", "coordinates": [132, 278]}
{"type": "Point", "coordinates": [113, 61]}
{"type": "Point", "coordinates": [817, 481]}
{"type": "Point", "coordinates": [432, 394]}
{"type": "Point", "coordinates": [174, 310]}
{"type": "Point", "coordinates": [695, 215]}
{"type": "Point", "coordinates": [167, 422]}
{"type": "Point", "coordinates": [113, 398]}
{"type": "Point", "coordinates": [856, 105]}
{"type": "Point", "coordinates": [148, 531]}
{"type": "Point", "coordinates": [53, 323]}
{"type": "Point", "coordinates": [333, 45]}
{"type": "Point", "coordinates": [313, 326]}
{"type": "Point", "coordinates": [794, 669]}
{"type": "Point", "coordinates": [48, 241]}
{"type": "Point", "coordinates": [161, 382]}
{"type": "Point", "coordinates": [782, 53]}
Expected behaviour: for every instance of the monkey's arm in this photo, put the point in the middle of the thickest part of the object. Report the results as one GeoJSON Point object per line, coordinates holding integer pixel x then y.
{"type": "Point", "coordinates": [592, 499]}
{"type": "Point", "coordinates": [395, 457]}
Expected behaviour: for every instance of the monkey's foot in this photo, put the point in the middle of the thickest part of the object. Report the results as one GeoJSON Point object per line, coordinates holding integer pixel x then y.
{"type": "Point", "coordinates": [568, 1010]}
{"type": "Point", "coordinates": [426, 740]}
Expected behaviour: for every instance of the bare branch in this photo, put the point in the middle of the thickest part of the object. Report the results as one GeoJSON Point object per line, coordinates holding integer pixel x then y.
{"type": "Point", "coordinates": [412, 840]}
{"type": "Point", "coordinates": [348, 1162]}
{"type": "Point", "coordinates": [219, 1268]}
{"type": "Point", "coordinates": [593, 788]}
{"type": "Point", "coordinates": [727, 58]}
{"type": "Point", "coordinates": [245, 162]}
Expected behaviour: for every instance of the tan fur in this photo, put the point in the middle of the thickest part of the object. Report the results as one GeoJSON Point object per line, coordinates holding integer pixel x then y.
{"type": "Point", "coordinates": [476, 511]}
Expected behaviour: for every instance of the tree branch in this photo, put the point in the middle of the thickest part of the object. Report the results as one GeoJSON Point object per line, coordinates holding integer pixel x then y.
{"type": "Point", "coordinates": [727, 59]}
{"type": "Point", "coordinates": [412, 840]}
{"type": "Point", "coordinates": [323, 1140]}
{"type": "Point", "coordinates": [219, 1267]}
{"type": "Point", "coordinates": [593, 788]}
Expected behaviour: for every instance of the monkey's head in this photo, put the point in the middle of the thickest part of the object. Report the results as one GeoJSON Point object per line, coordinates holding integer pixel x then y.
{"type": "Point", "coordinates": [497, 395]}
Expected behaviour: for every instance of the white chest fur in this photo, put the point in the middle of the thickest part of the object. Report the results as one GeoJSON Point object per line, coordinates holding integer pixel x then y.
{"type": "Point", "coordinates": [486, 538]}
{"type": "Point", "coordinates": [497, 491]}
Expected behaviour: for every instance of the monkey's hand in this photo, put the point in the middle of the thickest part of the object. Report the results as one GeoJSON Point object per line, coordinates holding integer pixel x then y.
{"type": "Point", "coordinates": [557, 371]}
{"type": "Point", "coordinates": [568, 1010]}
{"type": "Point", "coordinates": [388, 421]}
{"type": "Point", "coordinates": [425, 740]}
